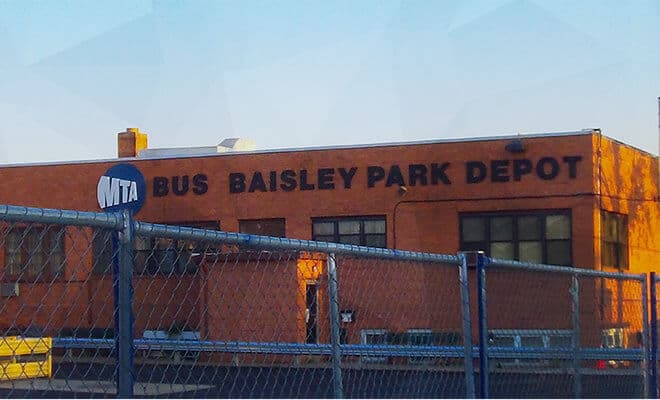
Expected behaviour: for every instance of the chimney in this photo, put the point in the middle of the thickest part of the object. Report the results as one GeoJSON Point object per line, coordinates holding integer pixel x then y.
{"type": "Point", "coordinates": [130, 143]}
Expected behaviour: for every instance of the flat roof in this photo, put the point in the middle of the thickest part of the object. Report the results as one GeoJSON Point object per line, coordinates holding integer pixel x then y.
{"type": "Point", "coordinates": [318, 148]}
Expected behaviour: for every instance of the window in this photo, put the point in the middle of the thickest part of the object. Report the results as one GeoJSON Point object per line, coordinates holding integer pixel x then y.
{"type": "Point", "coordinates": [265, 227]}
{"type": "Point", "coordinates": [375, 337]}
{"type": "Point", "coordinates": [420, 337]}
{"type": "Point", "coordinates": [613, 338]}
{"type": "Point", "coordinates": [529, 339]}
{"type": "Point", "coordinates": [103, 251]}
{"type": "Point", "coordinates": [34, 253]}
{"type": "Point", "coordinates": [539, 237]}
{"type": "Point", "coordinates": [166, 256]}
{"type": "Point", "coordinates": [614, 240]}
{"type": "Point", "coordinates": [367, 231]}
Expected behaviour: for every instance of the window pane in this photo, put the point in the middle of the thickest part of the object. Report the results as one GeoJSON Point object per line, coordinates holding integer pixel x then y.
{"type": "Point", "coordinates": [502, 341]}
{"type": "Point", "coordinates": [56, 263]}
{"type": "Point", "coordinates": [374, 338]}
{"type": "Point", "coordinates": [374, 226]}
{"type": "Point", "coordinates": [614, 242]}
{"type": "Point", "coordinates": [559, 252]}
{"type": "Point", "coordinates": [623, 256]}
{"type": "Point", "coordinates": [557, 227]}
{"type": "Point", "coordinates": [324, 238]}
{"type": "Point", "coordinates": [501, 228]}
{"type": "Point", "coordinates": [13, 257]}
{"type": "Point", "coordinates": [142, 243]}
{"type": "Point", "coordinates": [473, 229]}
{"type": "Point", "coordinates": [420, 338]}
{"type": "Point", "coordinates": [531, 341]}
{"type": "Point", "coordinates": [608, 226]}
{"type": "Point", "coordinates": [560, 341]}
{"type": "Point", "coordinates": [349, 227]}
{"type": "Point", "coordinates": [35, 249]}
{"type": "Point", "coordinates": [608, 254]}
{"type": "Point", "coordinates": [622, 228]}
{"type": "Point", "coordinates": [375, 240]}
{"type": "Point", "coordinates": [143, 254]}
{"type": "Point", "coordinates": [502, 250]}
{"type": "Point", "coordinates": [266, 227]}
{"type": "Point", "coordinates": [530, 252]}
{"type": "Point", "coordinates": [475, 246]}
{"type": "Point", "coordinates": [529, 228]}
{"type": "Point", "coordinates": [56, 252]}
{"type": "Point", "coordinates": [323, 228]}
{"type": "Point", "coordinates": [350, 239]}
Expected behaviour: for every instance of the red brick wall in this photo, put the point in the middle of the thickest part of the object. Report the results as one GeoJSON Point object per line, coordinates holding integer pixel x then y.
{"type": "Point", "coordinates": [424, 218]}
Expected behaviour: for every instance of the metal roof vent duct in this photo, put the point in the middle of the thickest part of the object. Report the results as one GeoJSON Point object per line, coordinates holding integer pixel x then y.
{"type": "Point", "coordinates": [236, 144]}
{"type": "Point", "coordinates": [226, 146]}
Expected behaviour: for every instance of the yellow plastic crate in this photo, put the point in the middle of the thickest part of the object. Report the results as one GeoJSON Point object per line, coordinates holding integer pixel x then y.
{"type": "Point", "coordinates": [13, 347]}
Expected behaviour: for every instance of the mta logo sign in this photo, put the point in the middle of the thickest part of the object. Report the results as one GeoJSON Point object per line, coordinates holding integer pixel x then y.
{"type": "Point", "coordinates": [121, 187]}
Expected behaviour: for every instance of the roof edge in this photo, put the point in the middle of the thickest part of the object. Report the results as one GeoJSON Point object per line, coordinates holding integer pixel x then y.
{"type": "Point", "coordinates": [315, 148]}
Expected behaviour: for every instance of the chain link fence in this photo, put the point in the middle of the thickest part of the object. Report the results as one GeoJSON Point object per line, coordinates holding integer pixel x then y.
{"type": "Point", "coordinates": [402, 321]}
{"type": "Point", "coordinates": [564, 331]}
{"type": "Point", "coordinates": [654, 339]}
{"type": "Point", "coordinates": [100, 305]}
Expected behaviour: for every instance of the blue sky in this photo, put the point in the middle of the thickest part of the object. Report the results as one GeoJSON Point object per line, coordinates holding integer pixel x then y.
{"type": "Point", "coordinates": [311, 73]}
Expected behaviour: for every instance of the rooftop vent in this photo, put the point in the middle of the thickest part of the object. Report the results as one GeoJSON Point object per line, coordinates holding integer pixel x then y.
{"type": "Point", "coordinates": [236, 144]}
{"type": "Point", "coordinates": [226, 146]}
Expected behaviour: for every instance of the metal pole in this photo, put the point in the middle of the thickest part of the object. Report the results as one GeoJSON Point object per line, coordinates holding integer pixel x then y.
{"type": "Point", "coordinates": [467, 326]}
{"type": "Point", "coordinates": [124, 334]}
{"type": "Point", "coordinates": [653, 354]}
{"type": "Point", "coordinates": [334, 327]}
{"type": "Point", "coordinates": [575, 312]}
{"type": "Point", "coordinates": [645, 341]}
{"type": "Point", "coordinates": [483, 325]}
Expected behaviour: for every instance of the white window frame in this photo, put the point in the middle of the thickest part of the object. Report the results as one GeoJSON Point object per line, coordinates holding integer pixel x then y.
{"type": "Point", "coordinates": [363, 339]}
{"type": "Point", "coordinates": [518, 334]}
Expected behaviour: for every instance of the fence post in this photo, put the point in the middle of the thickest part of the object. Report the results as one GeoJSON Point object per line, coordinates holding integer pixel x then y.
{"type": "Point", "coordinates": [335, 336]}
{"type": "Point", "coordinates": [653, 354]}
{"type": "Point", "coordinates": [645, 340]}
{"type": "Point", "coordinates": [124, 309]}
{"type": "Point", "coordinates": [467, 326]}
{"type": "Point", "coordinates": [483, 325]}
{"type": "Point", "coordinates": [575, 312]}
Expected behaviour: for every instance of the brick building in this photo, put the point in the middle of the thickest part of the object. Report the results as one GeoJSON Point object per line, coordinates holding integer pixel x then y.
{"type": "Point", "coordinates": [577, 198]}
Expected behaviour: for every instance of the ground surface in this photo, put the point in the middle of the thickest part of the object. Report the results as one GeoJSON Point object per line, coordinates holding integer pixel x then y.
{"type": "Point", "coordinates": [84, 379]}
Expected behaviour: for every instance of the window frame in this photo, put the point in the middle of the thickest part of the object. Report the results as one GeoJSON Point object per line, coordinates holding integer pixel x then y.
{"type": "Point", "coordinates": [363, 340]}
{"type": "Point", "coordinates": [620, 248]}
{"type": "Point", "coordinates": [159, 248]}
{"type": "Point", "coordinates": [419, 360]}
{"type": "Point", "coordinates": [259, 220]}
{"type": "Point", "coordinates": [515, 234]}
{"type": "Point", "coordinates": [49, 269]}
{"type": "Point", "coordinates": [148, 260]}
{"type": "Point", "coordinates": [362, 234]}
{"type": "Point", "coordinates": [518, 334]}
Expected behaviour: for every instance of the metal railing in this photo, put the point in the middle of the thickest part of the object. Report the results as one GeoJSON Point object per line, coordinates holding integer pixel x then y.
{"type": "Point", "coordinates": [135, 308]}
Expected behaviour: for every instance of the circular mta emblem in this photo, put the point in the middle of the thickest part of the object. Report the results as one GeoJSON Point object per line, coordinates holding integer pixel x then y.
{"type": "Point", "coordinates": [121, 187]}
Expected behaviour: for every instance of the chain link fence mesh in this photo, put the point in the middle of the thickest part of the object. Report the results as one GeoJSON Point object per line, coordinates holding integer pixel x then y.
{"type": "Point", "coordinates": [409, 315]}
{"type": "Point", "coordinates": [255, 319]}
{"type": "Point", "coordinates": [655, 307]}
{"type": "Point", "coordinates": [618, 307]}
{"type": "Point", "coordinates": [217, 320]}
{"type": "Point", "coordinates": [558, 334]}
{"type": "Point", "coordinates": [51, 296]}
